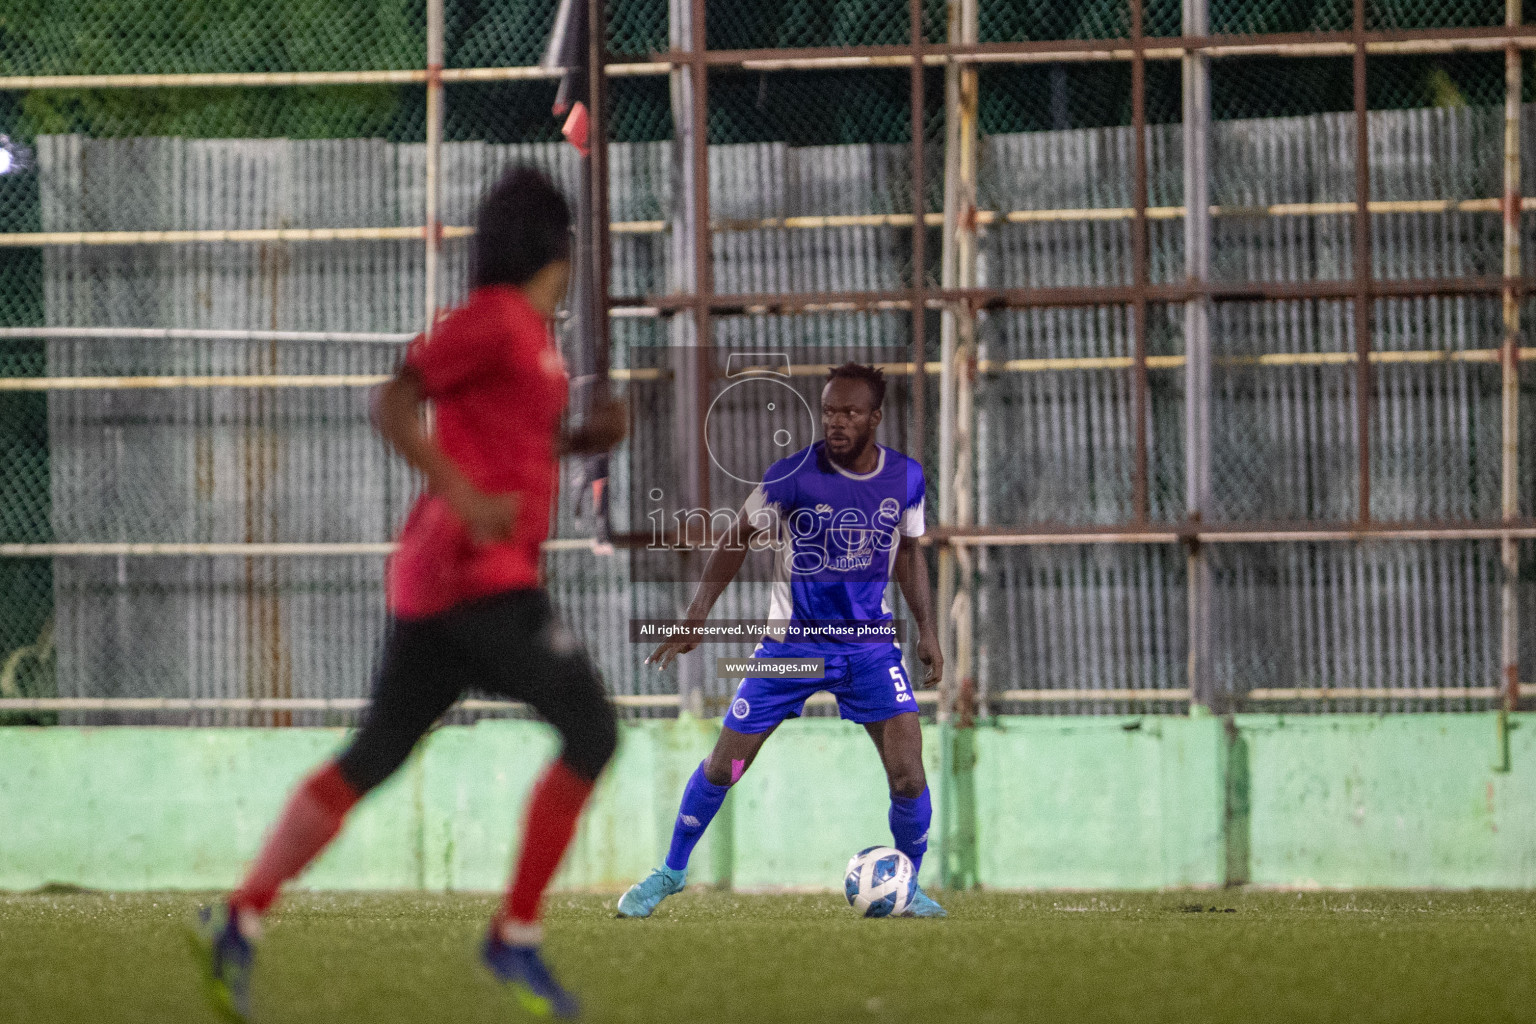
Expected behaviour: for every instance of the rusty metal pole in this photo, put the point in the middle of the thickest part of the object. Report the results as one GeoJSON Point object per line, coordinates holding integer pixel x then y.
{"type": "Point", "coordinates": [957, 352]}
{"type": "Point", "coordinates": [597, 181]}
{"type": "Point", "coordinates": [1140, 276]}
{"type": "Point", "coordinates": [691, 277]}
{"type": "Point", "coordinates": [1197, 349]}
{"type": "Point", "coordinates": [917, 293]}
{"type": "Point", "coordinates": [1362, 268]}
{"type": "Point", "coordinates": [703, 255]}
{"type": "Point", "coordinates": [434, 186]}
{"type": "Point", "coordinates": [1510, 368]}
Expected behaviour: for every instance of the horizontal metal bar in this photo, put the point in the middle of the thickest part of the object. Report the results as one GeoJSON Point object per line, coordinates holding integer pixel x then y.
{"type": "Point", "coordinates": [189, 704]}
{"type": "Point", "coordinates": [267, 79]}
{"type": "Point", "coordinates": [784, 303]}
{"type": "Point", "coordinates": [1423, 41]}
{"type": "Point", "coordinates": [174, 383]}
{"type": "Point", "coordinates": [251, 550]}
{"type": "Point", "coordinates": [34, 239]}
{"type": "Point", "coordinates": [667, 700]}
{"type": "Point", "coordinates": [993, 366]}
{"type": "Point", "coordinates": [1255, 533]}
{"type": "Point", "coordinates": [199, 334]}
{"type": "Point", "coordinates": [28, 239]}
{"type": "Point", "coordinates": [1057, 696]}
{"type": "Point", "coordinates": [1294, 45]}
{"type": "Point", "coordinates": [1384, 693]}
{"type": "Point", "coordinates": [353, 380]}
{"type": "Point", "coordinates": [988, 536]}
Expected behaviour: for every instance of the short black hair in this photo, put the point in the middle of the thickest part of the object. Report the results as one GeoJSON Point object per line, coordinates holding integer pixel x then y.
{"type": "Point", "coordinates": [870, 375]}
{"type": "Point", "coordinates": [523, 226]}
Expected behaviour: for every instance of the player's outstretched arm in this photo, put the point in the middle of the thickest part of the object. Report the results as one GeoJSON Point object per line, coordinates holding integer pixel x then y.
{"type": "Point", "coordinates": [911, 572]}
{"type": "Point", "coordinates": [723, 565]}
{"type": "Point", "coordinates": [397, 414]}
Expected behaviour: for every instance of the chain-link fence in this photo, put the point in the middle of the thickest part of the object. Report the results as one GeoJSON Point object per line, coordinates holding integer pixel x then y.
{"type": "Point", "coordinates": [1267, 455]}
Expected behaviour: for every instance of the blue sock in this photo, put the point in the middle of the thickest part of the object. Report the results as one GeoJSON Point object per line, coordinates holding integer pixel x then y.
{"type": "Point", "coordinates": [701, 799]}
{"type": "Point", "coordinates": [910, 816]}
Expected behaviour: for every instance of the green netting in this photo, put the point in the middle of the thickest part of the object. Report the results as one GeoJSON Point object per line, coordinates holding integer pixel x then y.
{"type": "Point", "coordinates": [1272, 87]}
{"type": "Point", "coordinates": [1450, 80]}
{"type": "Point", "coordinates": [1241, 17]}
{"type": "Point", "coordinates": [812, 108]}
{"type": "Point", "coordinates": [98, 37]}
{"type": "Point", "coordinates": [1051, 97]}
{"type": "Point", "coordinates": [21, 282]}
{"type": "Point", "coordinates": [146, 36]}
{"type": "Point", "coordinates": [497, 33]}
{"type": "Point", "coordinates": [1162, 18]}
{"type": "Point", "coordinates": [24, 451]}
{"type": "Point", "coordinates": [1004, 21]}
{"type": "Point", "coordinates": [397, 113]}
{"type": "Point", "coordinates": [1408, 14]}
{"type": "Point", "coordinates": [793, 23]}
{"type": "Point", "coordinates": [1275, 87]}
{"type": "Point", "coordinates": [640, 110]}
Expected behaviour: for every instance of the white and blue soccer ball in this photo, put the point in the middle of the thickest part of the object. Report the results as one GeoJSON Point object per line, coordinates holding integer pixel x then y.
{"type": "Point", "coordinates": [880, 882]}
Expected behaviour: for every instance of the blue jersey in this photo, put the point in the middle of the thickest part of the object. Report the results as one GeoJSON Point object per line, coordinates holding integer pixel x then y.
{"type": "Point", "coordinates": [835, 533]}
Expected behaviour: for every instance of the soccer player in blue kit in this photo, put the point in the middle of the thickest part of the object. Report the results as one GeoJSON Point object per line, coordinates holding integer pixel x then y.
{"type": "Point", "coordinates": [842, 518]}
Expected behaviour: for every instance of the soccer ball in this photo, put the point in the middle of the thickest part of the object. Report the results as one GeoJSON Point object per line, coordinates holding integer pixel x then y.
{"type": "Point", "coordinates": [880, 882]}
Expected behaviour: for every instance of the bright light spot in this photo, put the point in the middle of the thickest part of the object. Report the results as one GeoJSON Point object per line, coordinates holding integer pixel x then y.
{"type": "Point", "coordinates": [7, 160]}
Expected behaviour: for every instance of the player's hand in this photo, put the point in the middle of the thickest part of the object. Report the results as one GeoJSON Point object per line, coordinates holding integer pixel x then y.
{"type": "Point", "coordinates": [932, 658]}
{"type": "Point", "coordinates": [668, 651]}
{"type": "Point", "coordinates": [489, 517]}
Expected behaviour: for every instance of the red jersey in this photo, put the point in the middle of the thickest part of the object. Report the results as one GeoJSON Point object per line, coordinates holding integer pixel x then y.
{"type": "Point", "coordinates": [499, 387]}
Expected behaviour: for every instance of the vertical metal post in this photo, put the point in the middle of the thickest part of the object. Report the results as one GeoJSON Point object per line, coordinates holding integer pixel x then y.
{"type": "Point", "coordinates": [597, 182]}
{"type": "Point", "coordinates": [1197, 347]}
{"type": "Point", "coordinates": [1510, 367]}
{"type": "Point", "coordinates": [1362, 245]}
{"type": "Point", "coordinates": [956, 459]}
{"type": "Point", "coordinates": [691, 274]}
{"type": "Point", "coordinates": [957, 343]}
{"type": "Point", "coordinates": [703, 254]}
{"type": "Point", "coordinates": [917, 443]}
{"type": "Point", "coordinates": [434, 226]}
{"type": "Point", "coordinates": [1140, 275]}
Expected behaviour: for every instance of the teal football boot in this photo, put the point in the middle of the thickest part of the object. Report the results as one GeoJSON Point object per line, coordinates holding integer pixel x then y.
{"type": "Point", "coordinates": [923, 905]}
{"type": "Point", "coordinates": [643, 896]}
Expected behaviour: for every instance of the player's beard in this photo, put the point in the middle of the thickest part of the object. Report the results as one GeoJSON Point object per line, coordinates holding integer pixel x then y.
{"type": "Point", "coordinates": [856, 448]}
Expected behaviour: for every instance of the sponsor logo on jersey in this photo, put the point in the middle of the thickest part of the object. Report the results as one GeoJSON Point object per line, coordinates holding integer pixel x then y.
{"type": "Point", "coordinates": [741, 709]}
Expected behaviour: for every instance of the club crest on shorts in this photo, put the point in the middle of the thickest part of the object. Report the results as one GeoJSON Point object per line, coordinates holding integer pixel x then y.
{"type": "Point", "coordinates": [740, 708]}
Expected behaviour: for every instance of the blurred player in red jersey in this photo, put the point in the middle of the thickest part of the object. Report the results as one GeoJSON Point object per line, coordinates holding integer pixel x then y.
{"type": "Point", "coordinates": [467, 606]}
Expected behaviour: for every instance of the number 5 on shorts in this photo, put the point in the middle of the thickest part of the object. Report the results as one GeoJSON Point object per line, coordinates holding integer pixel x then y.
{"type": "Point", "coordinates": [901, 684]}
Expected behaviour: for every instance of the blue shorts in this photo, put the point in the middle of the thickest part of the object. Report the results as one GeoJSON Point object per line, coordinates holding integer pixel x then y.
{"type": "Point", "coordinates": [869, 682]}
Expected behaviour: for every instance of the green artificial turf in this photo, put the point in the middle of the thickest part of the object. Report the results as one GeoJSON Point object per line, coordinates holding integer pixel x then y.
{"type": "Point", "coordinates": [81, 958]}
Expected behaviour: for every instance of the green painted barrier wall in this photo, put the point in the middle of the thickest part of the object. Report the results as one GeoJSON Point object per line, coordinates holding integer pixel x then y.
{"type": "Point", "coordinates": [1413, 800]}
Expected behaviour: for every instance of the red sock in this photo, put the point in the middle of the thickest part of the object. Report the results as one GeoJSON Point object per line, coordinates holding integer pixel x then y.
{"type": "Point", "coordinates": [310, 821]}
{"type": "Point", "coordinates": [555, 806]}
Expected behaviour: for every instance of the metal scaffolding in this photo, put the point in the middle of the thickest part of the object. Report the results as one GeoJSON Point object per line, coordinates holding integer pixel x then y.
{"type": "Point", "coordinates": [692, 306]}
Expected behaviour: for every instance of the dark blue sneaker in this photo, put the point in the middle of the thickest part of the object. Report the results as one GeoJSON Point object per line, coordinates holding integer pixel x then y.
{"type": "Point", "coordinates": [225, 957]}
{"type": "Point", "coordinates": [522, 970]}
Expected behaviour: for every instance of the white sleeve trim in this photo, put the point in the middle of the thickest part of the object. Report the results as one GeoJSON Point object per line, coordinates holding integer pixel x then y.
{"type": "Point", "coordinates": [759, 512]}
{"type": "Point", "coordinates": [912, 524]}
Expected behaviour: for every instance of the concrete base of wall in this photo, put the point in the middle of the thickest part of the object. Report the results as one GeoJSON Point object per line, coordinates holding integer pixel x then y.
{"type": "Point", "coordinates": [1111, 802]}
